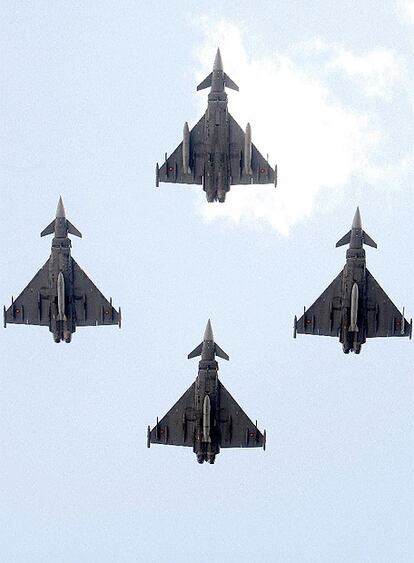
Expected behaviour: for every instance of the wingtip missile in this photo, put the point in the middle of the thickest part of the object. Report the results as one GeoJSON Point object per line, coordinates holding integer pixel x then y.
{"type": "Point", "coordinates": [157, 175]}
{"type": "Point", "coordinates": [186, 149]}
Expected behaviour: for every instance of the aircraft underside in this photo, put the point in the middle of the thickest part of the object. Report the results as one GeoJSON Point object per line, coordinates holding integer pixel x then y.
{"type": "Point", "coordinates": [216, 192]}
{"type": "Point", "coordinates": [62, 333]}
{"type": "Point", "coordinates": [351, 343]}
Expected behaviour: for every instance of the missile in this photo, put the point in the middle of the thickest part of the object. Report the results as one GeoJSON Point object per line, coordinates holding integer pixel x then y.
{"type": "Point", "coordinates": [247, 169]}
{"type": "Point", "coordinates": [402, 324]}
{"type": "Point", "coordinates": [157, 175]}
{"type": "Point", "coordinates": [61, 297]}
{"type": "Point", "coordinates": [354, 308]}
{"type": "Point", "coordinates": [186, 149]}
{"type": "Point", "coordinates": [206, 419]}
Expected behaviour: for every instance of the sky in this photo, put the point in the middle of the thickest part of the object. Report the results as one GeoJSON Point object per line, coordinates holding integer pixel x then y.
{"type": "Point", "coordinates": [93, 94]}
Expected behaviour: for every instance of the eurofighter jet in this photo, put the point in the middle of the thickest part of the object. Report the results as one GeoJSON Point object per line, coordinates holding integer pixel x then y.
{"type": "Point", "coordinates": [216, 153]}
{"type": "Point", "coordinates": [354, 307]}
{"type": "Point", "coordinates": [61, 296]}
{"type": "Point", "coordinates": [207, 418]}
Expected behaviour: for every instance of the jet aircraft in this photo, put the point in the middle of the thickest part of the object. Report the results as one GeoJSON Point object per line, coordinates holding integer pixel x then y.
{"type": "Point", "coordinates": [216, 153]}
{"type": "Point", "coordinates": [61, 296]}
{"type": "Point", "coordinates": [354, 306]}
{"type": "Point", "coordinates": [207, 417]}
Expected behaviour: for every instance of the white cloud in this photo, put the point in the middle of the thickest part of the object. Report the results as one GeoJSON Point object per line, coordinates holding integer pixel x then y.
{"type": "Point", "coordinates": [319, 142]}
{"type": "Point", "coordinates": [406, 9]}
{"type": "Point", "coordinates": [377, 71]}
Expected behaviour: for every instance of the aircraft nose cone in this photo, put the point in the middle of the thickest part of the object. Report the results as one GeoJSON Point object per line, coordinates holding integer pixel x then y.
{"type": "Point", "coordinates": [356, 223]}
{"type": "Point", "coordinates": [60, 211]}
{"type": "Point", "coordinates": [218, 63]}
{"type": "Point", "coordinates": [208, 333]}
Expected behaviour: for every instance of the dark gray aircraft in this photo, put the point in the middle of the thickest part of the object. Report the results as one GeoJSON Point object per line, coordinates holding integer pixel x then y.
{"type": "Point", "coordinates": [207, 417]}
{"type": "Point", "coordinates": [354, 307]}
{"type": "Point", "coordinates": [61, 296]}
{"type": "Point", "coordinates": [216, 153]}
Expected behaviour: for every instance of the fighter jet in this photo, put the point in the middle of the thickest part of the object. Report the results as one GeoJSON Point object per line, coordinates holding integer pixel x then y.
{"type": "Point", "coordinates": [354, 307]}
{"type": "Point", "coordinates": [216, 153]}
{"type": "Point", "coordinates": [61, 296]}
{"type": "Point", "coordinates": [207, 417]}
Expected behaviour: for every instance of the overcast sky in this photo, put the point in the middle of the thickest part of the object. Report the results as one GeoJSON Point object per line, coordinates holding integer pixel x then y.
{"type": "Point", "coordinates": [93, 94]}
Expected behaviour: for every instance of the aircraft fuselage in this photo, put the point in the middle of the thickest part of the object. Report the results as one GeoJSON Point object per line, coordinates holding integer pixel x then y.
{"type": "Point", "coordinates": [206, 403]}
{"type": "Point", "coordinates": [353, 330]}
{"type": "Point", "coordinates": [61, 287]}
{"type": "Point", "coordinates": [216, 182]}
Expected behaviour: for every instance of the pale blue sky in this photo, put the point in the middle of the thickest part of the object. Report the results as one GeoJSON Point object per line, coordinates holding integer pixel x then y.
{"type": "Point", "coordinates": [92, 96]}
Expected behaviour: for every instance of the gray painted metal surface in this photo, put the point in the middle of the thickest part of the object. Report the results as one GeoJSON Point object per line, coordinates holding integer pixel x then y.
{"type": "Point", "coordinates": [354, 307]}
{"type": "Point", "coordinates": [207, 418]}
{"type": "Point", "coordinates": [216, 153]}
{"type": "Point", "coordinates": [61, 296]}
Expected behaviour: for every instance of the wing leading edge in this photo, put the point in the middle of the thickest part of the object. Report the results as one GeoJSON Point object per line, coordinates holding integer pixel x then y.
{"type": "Point", "coordinates": [236, 428]}
{"type": "Point", "coordinates": [32, 306]}
{"type": "Point", "coordinates": [173, 168]}
{"type": "Point", "coordinates": [323, 318]}
{"type": "Point", "coordinates": [261, 171]}
{"type": "Point", "coordinates": [91, 307]}
{"type": "Point", "coordinates": [383, 317]}
{"type": "Point", "coordinates": [177, 427]}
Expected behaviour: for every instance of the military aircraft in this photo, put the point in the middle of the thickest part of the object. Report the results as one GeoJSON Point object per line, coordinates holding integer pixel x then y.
{"type": "Point", "coordinates": [61, 296]}
{"type": "Point", "coordinates": [216, 153]}
{"type": "Point", "coordinates": [207, 417]}
{"type": "Point", "coordinates": [354, 306]}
